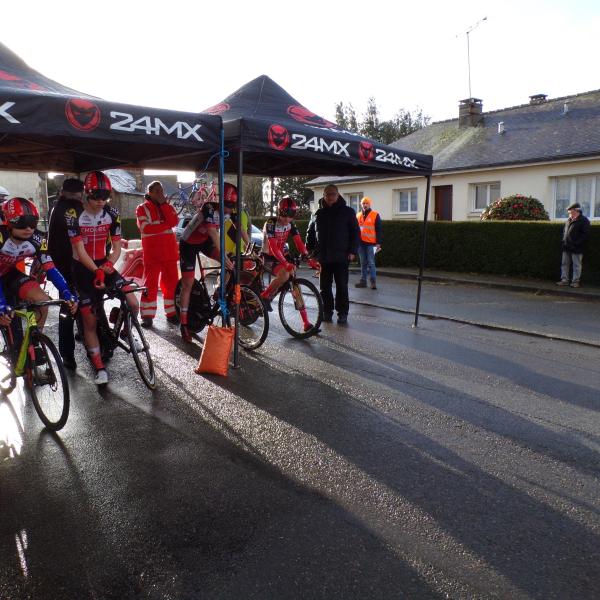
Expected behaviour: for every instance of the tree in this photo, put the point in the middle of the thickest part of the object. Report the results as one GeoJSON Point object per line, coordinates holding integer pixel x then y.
{"type": "Point", "coordinates": [345, 117]}
{"type": "Point", "coordinates": [253, 196]}
{"type": "Point", "coordinates": [295, 188]}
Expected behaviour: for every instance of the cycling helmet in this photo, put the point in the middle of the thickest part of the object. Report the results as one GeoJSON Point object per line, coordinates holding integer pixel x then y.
{"type": "Point", "coordinates": [230, 195]}
{"type": "Point", "coordinates": [20, 213]}
{"type": "Point", "coordinates": [97, 185]}
{"type": "Point", "coordinates": [287, 207]}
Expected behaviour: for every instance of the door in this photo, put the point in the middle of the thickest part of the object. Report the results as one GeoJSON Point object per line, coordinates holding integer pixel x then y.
{"type": "Point", "coordinates": [443, 203]}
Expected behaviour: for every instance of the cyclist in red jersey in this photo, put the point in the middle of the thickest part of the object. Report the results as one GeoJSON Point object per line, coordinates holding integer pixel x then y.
{"type": "Point", "coordinates": [19, 239]}
{"type": "Point", "coordinates": [89, 228]}
{"type": "Point", "coordinates": [200, 235]}
{"type": "Point", "coordinates": [276, 232]}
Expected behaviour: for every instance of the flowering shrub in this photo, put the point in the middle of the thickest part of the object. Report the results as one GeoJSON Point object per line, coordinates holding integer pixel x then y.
{"type": "Point", "coordinates": [515, 208]}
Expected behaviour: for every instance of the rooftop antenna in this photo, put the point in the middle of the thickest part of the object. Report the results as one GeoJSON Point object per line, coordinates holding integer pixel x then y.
{"type": "Point", "coordinates": [469, 49]}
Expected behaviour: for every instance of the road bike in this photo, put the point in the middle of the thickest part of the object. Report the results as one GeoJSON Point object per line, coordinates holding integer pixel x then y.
{"type": "Point", "coordinates": [205, 309]}
{"type": "Point", "coordinates": [295, 295]}
{"type": "Point", "coordinates": [122, 329]}
{"type": "Point", "coordinates": [192, 197]}
{"type": "Point", "coordinates": [32, 355]}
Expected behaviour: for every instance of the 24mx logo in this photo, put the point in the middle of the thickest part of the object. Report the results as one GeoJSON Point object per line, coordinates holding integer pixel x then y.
{"type": "Point", "coordinates": [395, 159]}
{"type": "Point", "coordinates": [154, 126]}
{"type": "Point", "coordinates": [319, 144]}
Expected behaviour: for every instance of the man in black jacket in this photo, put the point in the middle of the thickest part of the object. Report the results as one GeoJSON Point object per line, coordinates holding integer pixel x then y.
{"type": "Point", "coordinates": [575, 234]}
{"type": "Point", "coordinates": [60, 249]}
{"type": "Point", "coordinates": [332, 238]}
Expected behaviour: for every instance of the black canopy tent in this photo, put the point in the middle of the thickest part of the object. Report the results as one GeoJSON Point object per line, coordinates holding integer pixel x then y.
{"type": "Point", "coordinates": [269, 133]}
{"type": "Point", "coordinates": [45, 126]}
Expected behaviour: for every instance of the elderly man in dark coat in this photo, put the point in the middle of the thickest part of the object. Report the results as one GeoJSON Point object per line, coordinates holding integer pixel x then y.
{"type": "Point", "coordinates": [575, 234]}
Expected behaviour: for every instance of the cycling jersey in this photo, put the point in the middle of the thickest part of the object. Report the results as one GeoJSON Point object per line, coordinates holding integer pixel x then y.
{"type": "Point", "coordinates": [93, 230]}
{"type": "Point", "coordinates": [207, 218]}
{"type": "Point", "coordinates": [275, 238]}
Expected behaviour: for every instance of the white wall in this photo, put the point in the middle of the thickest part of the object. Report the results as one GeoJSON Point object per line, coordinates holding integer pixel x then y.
{"type": "Point", "coordinates": [529, 180]}
{"type": "Point", "coordinates": [26, 185]}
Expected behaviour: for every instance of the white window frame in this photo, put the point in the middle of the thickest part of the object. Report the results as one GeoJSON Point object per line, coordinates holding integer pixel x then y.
{"type": "Point", "coordinates": [414, 195]}
{"type": "Point", "coordinates": [355, 197]}
{"type": "Point", "coordinates": [573, 195]}
{"type": "Point", "coordinates": [488, 185]}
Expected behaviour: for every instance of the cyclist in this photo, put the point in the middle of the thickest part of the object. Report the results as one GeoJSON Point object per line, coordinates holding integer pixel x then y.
{"type": "Point", "coordinates": [200, 235]}
{"type": "Point", "coordinates": [89, 227]}
{"type": "Point", "coordinates": [276, 232]}
{"type": "Point", "coordinates": [19, 239]}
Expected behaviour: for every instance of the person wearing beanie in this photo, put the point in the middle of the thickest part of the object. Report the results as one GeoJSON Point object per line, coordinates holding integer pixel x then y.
{"type": "Point", "coordinates": [369, 222]}
{"type": "Point", "coordinates": [70, 198]}
{"type": "Point", "coordinates": [575, 234]}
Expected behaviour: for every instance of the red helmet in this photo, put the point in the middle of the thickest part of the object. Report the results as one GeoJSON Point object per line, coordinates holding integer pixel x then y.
{"type": "Point", "coordinates": [20, 213]}
{"type": "Point", "coordinates": [287, 207]}
{"type": "Point", "coordinates": [97, 184]}
{"type": "Point", "coordinates": [230, 194]}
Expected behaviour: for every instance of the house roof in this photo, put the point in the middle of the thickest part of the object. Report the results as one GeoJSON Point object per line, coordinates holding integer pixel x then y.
{"type": "Point", "coordinates": [532, 133]}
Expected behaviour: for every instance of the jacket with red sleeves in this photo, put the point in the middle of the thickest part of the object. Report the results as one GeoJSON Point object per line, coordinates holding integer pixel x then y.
{"type": "Point", "coordinates": [156, 222]}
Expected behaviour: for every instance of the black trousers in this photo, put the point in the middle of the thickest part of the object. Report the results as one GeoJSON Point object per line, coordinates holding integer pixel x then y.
{"type": "Point", "coordinates": [66, 338]}
{"type": "Point", "coordinates": [337, 272]}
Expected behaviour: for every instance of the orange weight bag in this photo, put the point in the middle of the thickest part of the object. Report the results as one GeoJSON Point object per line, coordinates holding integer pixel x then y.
{"type": "Point", "coordinates": [215, 353]}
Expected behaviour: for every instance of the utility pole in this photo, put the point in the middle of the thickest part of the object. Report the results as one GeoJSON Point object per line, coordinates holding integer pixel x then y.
{"type": "Point", "coordinates": [469, 49]}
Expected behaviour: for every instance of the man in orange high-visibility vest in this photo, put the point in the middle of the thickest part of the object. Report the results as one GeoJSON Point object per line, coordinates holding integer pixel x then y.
{"type": "Point", "coordinates": [156, 219]}
{"type": "Point", "coordinates": [369, 222]}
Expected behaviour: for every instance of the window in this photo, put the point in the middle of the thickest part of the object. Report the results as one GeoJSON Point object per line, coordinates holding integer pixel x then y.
{"type": "Point", "coordinates": [486, 194]}
{"type": "Point", "coordinates": [584, 189]}
{"type": "Point", "coordinates": [354, 200]}
{"type": "Point", "coordinates": [405, 201]}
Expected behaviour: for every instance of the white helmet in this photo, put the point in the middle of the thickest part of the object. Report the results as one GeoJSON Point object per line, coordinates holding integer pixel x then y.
{"type": "Point", "coordinates": [4, 192]}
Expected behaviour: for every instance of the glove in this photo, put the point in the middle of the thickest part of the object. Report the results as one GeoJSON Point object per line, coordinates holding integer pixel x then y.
{"type": "Point", "coordinates": [314, 264]}
{"type": "Point", "coordinates": [5, 309]}
{"type": "Point", "coordinates": [70, 296]}
{"type": "Point", "coordinates": [99, 278]}
{"type": "Point", "coordinates": [289, 267]}
{"type": "Point", "coordinates": [108, 267]}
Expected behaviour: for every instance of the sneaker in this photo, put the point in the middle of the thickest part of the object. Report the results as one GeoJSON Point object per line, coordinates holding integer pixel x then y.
{"type": "Point", "coordinates": [342, 319]}
{"type": "Point", "coordinates": [69, 362]}
{"type": "Point", "coordinates": [186, 334]}
{"type": "Point", "coordinates": [373, 284]}
{"type": "Point", "coordinates": [576, 284]}
{"type": "Point", "coordinates": [562, 282]}
{"type": "Point", "coordinates": [146, 323]}
{"type": "Point", "coordinates": [361, 283]}
{"type": "Point", "coordinates": [173, 319]}
{"type": "Point", "coordinates": [308, 326]}
{"type": "Point", "coordinates": [327, 317]}
{"type": "Point", "coordinates": [101, 377]}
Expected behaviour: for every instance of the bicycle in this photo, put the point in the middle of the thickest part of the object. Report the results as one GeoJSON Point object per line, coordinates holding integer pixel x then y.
{"type": "Point", "coordinates": [294, 295]}
{"type": "Point", "coordinates": [205, 309]}
{"type": "Point", "coordinates": [111, 331]}
{"type": "Point", "coordinates": [36, 360]}
{"type": "Point", "coordinates": [192, 197]}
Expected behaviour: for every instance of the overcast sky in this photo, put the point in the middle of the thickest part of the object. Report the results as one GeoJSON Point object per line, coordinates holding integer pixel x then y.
{"type": "Point", "coordinates": [189, 56]}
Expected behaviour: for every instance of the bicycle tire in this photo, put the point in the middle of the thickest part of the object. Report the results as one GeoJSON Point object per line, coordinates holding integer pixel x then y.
{"type": "Point", "coordinates": [290, 314]}
{"type": "Point", "coordinates": [8, 378]}
{"type": "Point", "coordinates": [176, 202]}
{"type": "Point", "coordinates": [200, 306]}
{"type": "Point", "coordinates": [253, 320]}
{"type": "Point", "coordinates": [51, 399]}
{"type": "Point", "coordinates": [142, 357]}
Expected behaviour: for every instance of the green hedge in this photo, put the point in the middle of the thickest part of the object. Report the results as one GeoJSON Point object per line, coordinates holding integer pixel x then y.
{"type": "Point", "coordinates": [522, 248]}
{"type": "Point", "coordinates": [129, 229]}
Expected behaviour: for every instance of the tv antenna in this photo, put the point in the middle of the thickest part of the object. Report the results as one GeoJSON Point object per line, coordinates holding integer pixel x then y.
{"type": "Point", "coordinates": [469, 30]}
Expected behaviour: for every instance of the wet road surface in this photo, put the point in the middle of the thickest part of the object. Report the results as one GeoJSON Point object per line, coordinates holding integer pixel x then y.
{"type": "Point", "coordinates": [375, 461]}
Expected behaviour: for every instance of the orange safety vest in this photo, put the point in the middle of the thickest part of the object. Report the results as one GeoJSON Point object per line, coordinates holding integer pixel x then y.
{"type": "Point", "coordinates": [367, 226]}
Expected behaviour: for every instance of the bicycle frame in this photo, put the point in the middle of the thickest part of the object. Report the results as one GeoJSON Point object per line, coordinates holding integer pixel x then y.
{"type": "Point", "coordinates": [30, 324]}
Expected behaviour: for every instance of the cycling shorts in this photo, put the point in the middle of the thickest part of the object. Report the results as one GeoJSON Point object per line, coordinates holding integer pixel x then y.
{"type": "Point", "coordinates": [188, 253]}
{"type": "Point", "coordinates": [16, 285]}
{"type": "Point", "coordinates": [84, 283]}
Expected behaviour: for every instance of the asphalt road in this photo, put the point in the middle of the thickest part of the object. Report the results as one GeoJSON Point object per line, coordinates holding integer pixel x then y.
{"type": "Point", "coordinates": [375, 461]}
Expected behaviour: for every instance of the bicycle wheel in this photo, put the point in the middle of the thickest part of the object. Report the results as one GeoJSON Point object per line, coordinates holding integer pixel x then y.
{"type": "Point", "coordinates": [176, 201]}
{"type": "Point", "coordinates": [295, 296]}
{"type": "Point", "coordinates": [253, 321]}
{"type": "Point", "coordinates": [46, 382]}
{"type": "Point", "coordinates": [140, 350]}
{"type": "Point", "coordinates": [8, 379]}
{"type": "Point", "coordinates": [200, 306]}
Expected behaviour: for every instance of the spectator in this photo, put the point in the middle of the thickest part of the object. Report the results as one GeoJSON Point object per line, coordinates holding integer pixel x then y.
{"type": "Point", "coordinates": [575, 234]}
{"type": "Point", "coordinates": [332, 238]}
{"type": "Point", "coordinates": [156, 219]}
{"type": "Point", "coordinates": [70, 198]}
{"type": "Point", "coordinates": [369, 222]}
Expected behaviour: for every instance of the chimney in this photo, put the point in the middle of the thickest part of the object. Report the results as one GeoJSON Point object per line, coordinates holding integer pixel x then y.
{"type": "Point", "coordinates": [538, 98]}
{"type": "Point", "coordinates": [470, 112]}
{"type": "Point", "coordinates": [501, 127]}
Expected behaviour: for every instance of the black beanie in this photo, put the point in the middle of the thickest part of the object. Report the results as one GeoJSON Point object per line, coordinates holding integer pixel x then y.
{"type": "Point", "coordinates": [72, 185]}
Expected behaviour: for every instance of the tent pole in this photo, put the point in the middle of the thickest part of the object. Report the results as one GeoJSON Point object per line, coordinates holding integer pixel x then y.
{"type": "Point", "coordinates": [238, 259]}
{"type": "Point", "coordinates": [423, 247]}
{"type": "Point", "coordinates": [222, 217]}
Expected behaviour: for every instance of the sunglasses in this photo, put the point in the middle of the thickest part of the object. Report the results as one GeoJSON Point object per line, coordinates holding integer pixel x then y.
{"type": "Point", "coordinates": [287, 213]}
{"type": "Point", "coordinates": [24, 222]}
{"type": "Point", "coordinates": [99, 195]}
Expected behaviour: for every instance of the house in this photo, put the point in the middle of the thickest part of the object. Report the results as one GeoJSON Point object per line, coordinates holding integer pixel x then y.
{"type": "Point", "coordinates": [27, 185]}
{"type": "Point", "coordinates": [548, 149]}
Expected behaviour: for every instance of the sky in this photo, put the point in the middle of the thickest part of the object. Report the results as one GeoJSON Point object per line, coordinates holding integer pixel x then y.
{"type": "Point", "coordinates": [190, 55]}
